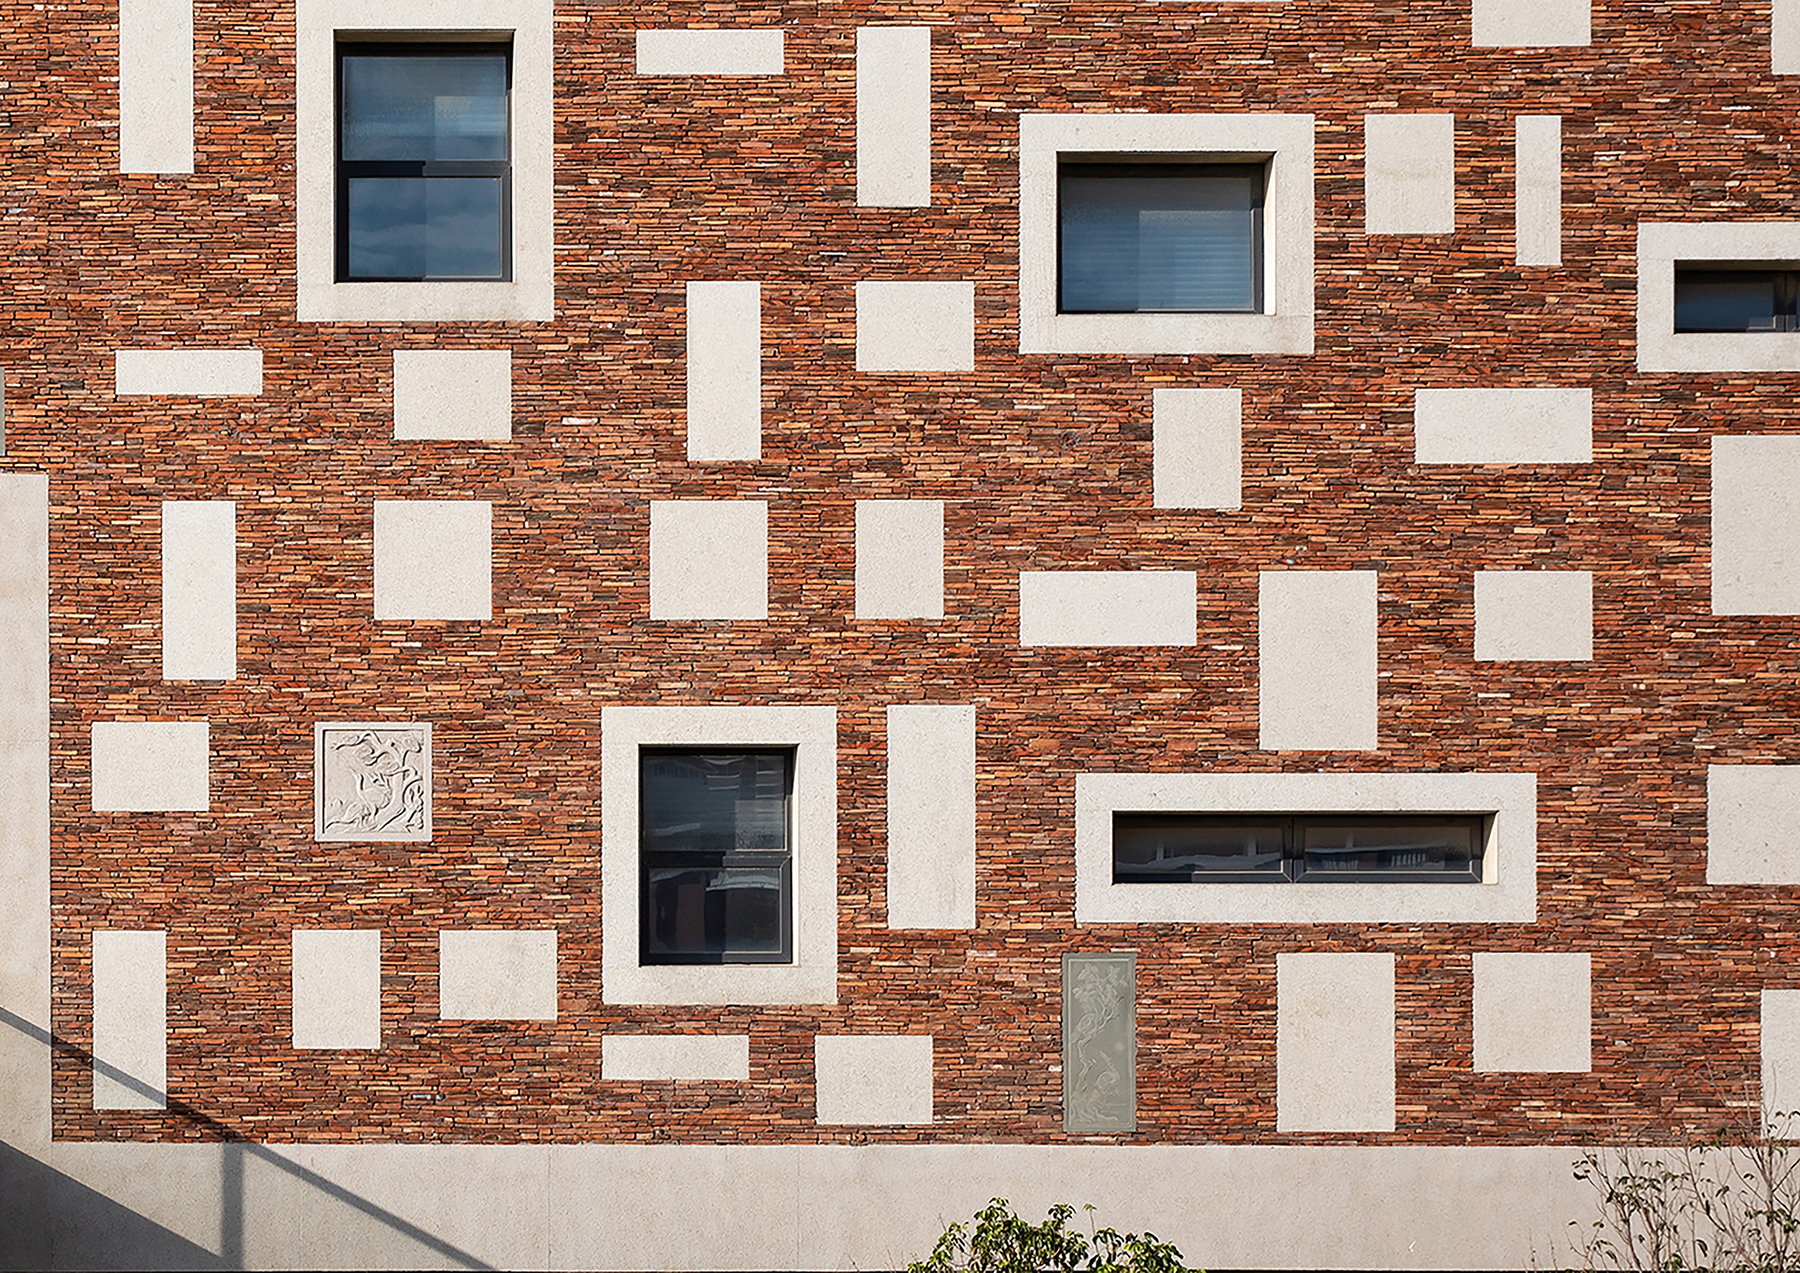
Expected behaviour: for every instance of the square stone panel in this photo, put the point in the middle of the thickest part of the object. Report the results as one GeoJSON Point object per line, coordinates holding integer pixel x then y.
{"type": "Point", "coordinates": [709, 559]}
{"type": "Point", "coordinates": [873, 1079]}
{"type": "Point", "coordinates": [1532, 1012]}
{"type": "Point", "coordinates": [434, 559]}
{"type": "Point", "coordinates": [372, 781]}
{"type": "Point", "coordinates": [1544, 615]}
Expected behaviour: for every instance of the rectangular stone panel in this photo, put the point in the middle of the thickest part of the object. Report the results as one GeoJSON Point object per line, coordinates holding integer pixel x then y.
{"type": "Point", "coordinates": [1533, 1012]}
{"type": "Point", "coordinates": [1107, 607]}
{"type": "Point", "coordinates": [1781, 1062]}
{"type": "Point", "coordinates": [1503, 426]}
{"type": "Point", "coordinates": [130, 1063]}
{"type": "Point", "coordinates": [873, 1079]}
{"type": "Point", "coordinates": [149, 765]}
{"type": "Point", "coordinates": [899, 559]}
{"type": "Point", "coordinates": [372, 781]}
{"type": "Point", "coordinates": [1197, 448]}
{"type": "Point", "coordinates": [684, 52]}
{"type": "Point", "coordinates": [1784, 37]}
{"type": "Point", "coordinates": [337, 988]}
{"type": "Point", "coordinates": [1316, 660]}
{"type": "Point", "coordinates": [1409, 174]}
{"type": "Point", "coordinates": [724, 371]}
{"type": "Point", "coordinates": [199, 590]}
{"type": "Point", "coordinates": [497, 975]}
{"type": "Point", "coordinates": [156, 86]}
{"type": "Point", "coordinates": [931, 815]}
{"type": "Point", "coordinates": [1756, 524]}
{"type": "Point", "coordinates": [915, 326]}
{"type": "Point", "coordinates": [1751, 814]}
{"type": "Point", "coordinates": [675, 1057]}
{"type": "Point", "coordinates": [1534, 614]}
{"type": "Point", "coordinates": [893, 117]}
{"type": "Point", "coordinates": [1099, 1041]}
{"type": "Point", "coordinates": [434, 559]}
{"type": "Point", "coordinates": [193, 373]}
{"type": "Point", "coordinates": [1537, 190]}
{"type": "Point", "coordinates": [1531, 23]}
{"type": "Point", "coordinates": [709, 559]}
{"type": "Point", "coordinates": [457, 395]}
{"type": "Point", "coordinates": [1334, 1042]}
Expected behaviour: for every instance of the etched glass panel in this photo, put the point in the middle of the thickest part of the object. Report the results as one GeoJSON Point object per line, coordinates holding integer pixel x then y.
{"type": "Point", "coordinates": [1099, 1042]}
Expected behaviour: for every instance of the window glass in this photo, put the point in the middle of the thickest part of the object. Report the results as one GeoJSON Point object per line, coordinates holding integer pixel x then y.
{"type": "Point", "coordinates": [423, 172]}
{"type": "Point", "coordinates": [1137, 238]}
{"type": "Point", "coordinates": [1387, 848]}
{"type": "Point", "coordinates": [1153, 847]}
{"type": "Point", "coordinates": [1749, 300]}
{"type": "Point", "coordinates": [714, 846]}
{"type": "Point", "coordinates": [1156, 848]}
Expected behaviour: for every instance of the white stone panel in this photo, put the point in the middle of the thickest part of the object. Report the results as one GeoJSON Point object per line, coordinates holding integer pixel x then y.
{"type": "Point", "coordinates": [337, 988]}
{"type": "Point", "coordinates": [724, 371]}
{"type": "Point", "coordinates": [915, 326]}
{"type": "Point", "coordinates": [1334, 1042]}
{"type": "Point", "coordinates": [893, 117]}
{"type": "Point", "coordinates": [150, 765]}
{"type": "Point", "coordinates": [899, 559]}
{"type": "Point", "coordinates": [675, 1057]}
{"type": "Point", "coordinates": [434, 559]}
{"type": "Point", "coordinates": [1784, 40]}
{"type": "Point", "coordinates": [1756, 524]}
{"type": "Point", "coordinates": [156, 86]}
{"type": "Point", "coordinates": [1197, 448]}
{"type": "Point", "coordinates": [192, 373]}
{"type": "Point", "coordinates": [497, 975]}
{"type": "Point", "coordinates": [1781, 1062]}
{"type": "Point", "coordinates": [709, 559]}
{"type": "Point", "coordinates": [1751, 814]}
{"type": "Point", "coordinates": [931, 815]}
{"type": "Point", "coordinates": [1506, 893]}
{"type": "Point", "coordinates": [1316, 643]}
{"type": "Point", "coordinates": [711, 52]}
{"type": "Point", "coordinates": [199, 590]}
{"type": "Point", "coordinates": [1534, 614]}
{"type": "Point", "coordinates": [1107, 607]}
{"type": "Point", "coordinates": [372, 781]}
{"type": "Point", "coordinates": [130, 1020]}
{"type": "Point", "coordinates": [1503, 426]}
{"type": "Point", "coordinates": [1533, 1012]}
{"type": "Point", "coordinates": [1409, 174]}
{"type": "Point", "coordinates": [1537, 190]}
{"type": "Point", "coordinates": [456, 395]}
{"type": "Point", "coordinates": [1530, 23]}
{"type": "Point", "coordinates": [873, 1079]}
{"type": "Point", "coordinates": [812, 732]}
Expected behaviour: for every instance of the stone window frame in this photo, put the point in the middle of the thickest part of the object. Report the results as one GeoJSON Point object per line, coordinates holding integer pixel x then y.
{"type": "Point", "coordinates": [1660, 246]}
{"type": "Point", "coordinates": [524, 24]}
{"type": "Point", "coordinates": [1507, 892]}
{"type": "Point", "coordinates": [1284, 142]}
{"type": "Point", "coordinates": [811, 732]}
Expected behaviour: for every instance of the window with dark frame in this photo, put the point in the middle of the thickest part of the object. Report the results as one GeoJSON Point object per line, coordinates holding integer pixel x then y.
{"type": "Point", "coordinates": [1309, 848]}
{"type": "Point", "coordinates": [1721, 296]}
{"type": "Point", "coordinates": [715, 856]}
{"type": "Point", "coordinates": [424, 173]}
{"type": "Point", "coordinates": [1165, 237]}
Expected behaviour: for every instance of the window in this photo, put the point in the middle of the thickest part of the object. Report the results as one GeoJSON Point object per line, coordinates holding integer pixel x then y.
{"type": "Point", "coordinates": [714, 857]}
{"type": "Point", "coordinates": [1359, 847]}
{"type": "Point", "coordinates": [1721, 297]}
{"type": "Point", "coordinates": [718, 855]}
{"type": "Point", "coordinates": [1166, 234]}
{"type": "Point", "coordinates": [1718, 296]}
{"type": "Point", "coordinates": [1318, 848]}
{"type": "Point", "coordinates": [424, 186]}
{"type": "Point", "coordinates": [1170, 238]}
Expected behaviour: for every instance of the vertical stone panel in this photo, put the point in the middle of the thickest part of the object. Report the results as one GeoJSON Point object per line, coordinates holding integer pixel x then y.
{"type": "Point", "coordinates": [1099, 1038]}
{"type": "Point", "coordinates": [724, 371]}
{"type": "Point", "coordinates": [899, 559]}
{"type": "Point", "coordinates": [1409, 174]}
{"type": "Point", "coordinates": [931, 816]}
{"type": "Point", "coordinates": [156, 86]}
{"type": "Point", "coordinates": [1197, 444]}
{"type": "Point", "coordinates": [1537, 190]}
{"type": "Point", "coordinates": [130, 1020]}
{"type": "Point", "coordinates": [893, 117]}
{"type": "Point", "coordinates": [1756, 524]}
{"type": "Point", "coordinates": [199, 590]}
{"type": "Point", "coordinates": [1334, 1042]}
{"type": "Point", "coordinates": [1316, 661]}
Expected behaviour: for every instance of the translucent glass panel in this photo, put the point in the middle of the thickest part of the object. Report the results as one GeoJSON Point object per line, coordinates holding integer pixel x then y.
{"type": "Point", "coordinates": [1160, 237]}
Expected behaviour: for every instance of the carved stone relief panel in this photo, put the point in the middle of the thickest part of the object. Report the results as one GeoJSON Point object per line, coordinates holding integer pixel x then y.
{"type": "Point", "coordinates": [372, 781]}
{"type": "Point", "coordinates": [1099, 1042]}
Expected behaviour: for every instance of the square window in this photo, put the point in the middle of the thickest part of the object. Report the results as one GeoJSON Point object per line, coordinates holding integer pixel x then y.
{"type": "Point", "coordinates": [716, 870]}
{"type": "Point", "coordinates": [424, 168]}
{"type": "Point", "coordinates": [718, 855]}
{"type": "Point", "coordinates": [1166, 234]}
{"type": "Point", "coordinates": [424, 189]}
{"type": "Point", "coordinates": [1165, 238]}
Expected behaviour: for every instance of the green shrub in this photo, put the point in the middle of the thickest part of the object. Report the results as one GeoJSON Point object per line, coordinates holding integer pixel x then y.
{"type": "Point", "coordinates": [1001, 1241]}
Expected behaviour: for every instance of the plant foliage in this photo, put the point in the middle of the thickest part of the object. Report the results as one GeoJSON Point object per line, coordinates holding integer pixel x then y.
{"type": "Point", "coordinates": [999, 1240]}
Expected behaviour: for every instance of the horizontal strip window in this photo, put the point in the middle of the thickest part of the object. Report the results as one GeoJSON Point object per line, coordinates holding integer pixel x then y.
{"type": "Point", "coordinates": [1727, 296]}
{"type": "Point", "coordinates": [1313, 848]}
